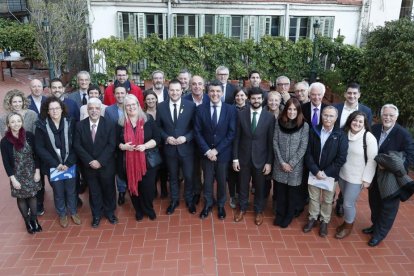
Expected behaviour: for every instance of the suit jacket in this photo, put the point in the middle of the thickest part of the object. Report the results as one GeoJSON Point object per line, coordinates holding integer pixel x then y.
{"type": "Point", "coordinates": [256, 147]}
{"type": "Point", "coordinates": [229, 97]}
{"type": "Point", "coordinates": [361, 107]}
{"type": "Point", "coordinates": [220, 137]}
{"type": "Point", "coordinates": [307, 113]}
{"type": "Point", "coordinates": [183, 127]}
{"type": "Point", "coordinates": [399, 139]}
{"type": "Point", "coordinates": [76, 97]}
{"type": "Point", "coordinates": [102, 149]}
{"type": "Point", "coordinates": [189, 97]}
{"type": "Point", "coordinates": [111, 113]}
{"type": "Point", "coordinates": [72, 109]}
{"type": "Point", "coordinates": [164, 92]}
{"type": "Point", "coordinates": [33, 106]}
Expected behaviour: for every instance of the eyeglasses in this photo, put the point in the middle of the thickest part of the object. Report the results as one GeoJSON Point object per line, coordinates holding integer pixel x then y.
{"type": "Point", "coordinates": [283, 84]}
{"type": "Point", "coordinates": [222, 74]}
{"type": "Point", "coordinates": [326, 116]}
{"type": "Point", "coordinates": [389, 115]}
{"type": "Point", "coordinates": [300, 91]}
{"type": "Point", "coordinates": [55, 109]}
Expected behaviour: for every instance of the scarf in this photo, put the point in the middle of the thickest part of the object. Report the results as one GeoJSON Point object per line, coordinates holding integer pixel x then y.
{"type": "Point", "coordinates": [136, 166]}
{"type": "Point", "coordinates": [290, 126]}
{"type": "Point", "coordinates": [59, 138]}
{"type": "Point", "coordinates": [18, 143]}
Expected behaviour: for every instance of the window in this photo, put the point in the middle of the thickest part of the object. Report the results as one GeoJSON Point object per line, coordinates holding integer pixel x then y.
{"type": "Point", "coordinates": [275, 26]}
{"type": "Point", "coordinates": [302, 27]}
{"type": "Point", "coordinates": [186, 25]}
{"type": "Point", "coordinates": [155, 24]}
{"type": "Point", "coordinates": [209, 22]}
{"type": "Point", "coordinates": [236, 26]}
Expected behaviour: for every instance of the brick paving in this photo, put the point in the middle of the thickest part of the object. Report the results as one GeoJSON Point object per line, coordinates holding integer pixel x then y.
{"type": "Point", "coordinates": [182, 244]}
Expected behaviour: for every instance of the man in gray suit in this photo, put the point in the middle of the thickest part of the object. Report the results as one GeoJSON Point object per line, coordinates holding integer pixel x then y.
{"type": "Point", "coordinates": [81, 96]}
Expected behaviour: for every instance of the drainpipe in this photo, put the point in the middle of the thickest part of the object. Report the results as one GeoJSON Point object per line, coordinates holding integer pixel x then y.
{"type": "Point", "coordinates": [169, 19]}
{"type": "Point", "coordinates": [287, 13]}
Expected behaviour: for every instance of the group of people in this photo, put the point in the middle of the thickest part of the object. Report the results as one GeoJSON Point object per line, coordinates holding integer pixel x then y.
{"type": "Point", "coordinates": [241, 139]}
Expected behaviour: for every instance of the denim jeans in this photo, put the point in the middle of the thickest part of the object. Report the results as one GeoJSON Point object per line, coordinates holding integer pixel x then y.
{"type": "Point", "coordinates": [65, 196]}
{"type": "Point", "coordinates": [120, 184]}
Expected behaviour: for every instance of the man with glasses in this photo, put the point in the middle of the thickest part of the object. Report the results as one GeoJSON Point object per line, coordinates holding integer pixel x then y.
{"type": "Point", "coordinates": [326, 153]}
{"type": "Point", "coordinates": [122, 80]}
{"type": "Point", "coordinates": [222, 75]}
{"type": "Point", "coordinates": [283, 87]}
{"type": "Point", "coordinates": [302, 92]}
{"type": "Point", "coordinates": [391, 137]}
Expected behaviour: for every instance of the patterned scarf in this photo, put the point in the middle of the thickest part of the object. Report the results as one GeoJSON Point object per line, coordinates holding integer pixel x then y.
{"type": "Point", "coordinates": [18, 143]}
{"type": "Point", "coordinates": [136, 166]}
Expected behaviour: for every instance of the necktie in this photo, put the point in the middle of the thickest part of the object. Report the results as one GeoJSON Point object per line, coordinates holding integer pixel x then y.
{"type": "Point", "coordinates": [254, 122]}
{"type": "Point", "coordinates": [175, 113]}
{"type": "Point", "coordinates": [315, 117]}
{"type": "Point", "coordinates": [214, 117]}
{"type": "Point", "coordinates": [93, 132]}
{"type": "Point", "coordinates": [84, 101]}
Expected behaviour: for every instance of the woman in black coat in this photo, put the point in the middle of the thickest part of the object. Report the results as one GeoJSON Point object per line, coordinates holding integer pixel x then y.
{"type": "Point", "coordinates": [22, 168]}
{"type": "Point", "coordinates": [139, 134]}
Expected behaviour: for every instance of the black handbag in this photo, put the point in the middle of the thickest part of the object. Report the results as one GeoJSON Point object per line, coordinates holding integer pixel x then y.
{"type": "Point", "coordinates": [153, 157]}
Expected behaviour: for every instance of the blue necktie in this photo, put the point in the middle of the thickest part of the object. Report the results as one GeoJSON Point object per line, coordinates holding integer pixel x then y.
{"type": "Point", "coordinates": [315, 117]}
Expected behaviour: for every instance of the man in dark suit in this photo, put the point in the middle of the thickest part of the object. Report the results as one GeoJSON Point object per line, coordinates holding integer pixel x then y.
{"type": "Point", "coordinates": [36, 95]}
{"type": "Point", "coordinates": [80, 97]}
{"type": "Point", "coordinates": [197, 96]}
{"type": "Point", "coordinates": [222, 74]}
{"type": "Point", "coordinates": [184, 76]}
{"type": "Point", "coordinates": [214, 130]}
{"type": "Point", "coordinates": [312, 111]}
{"type": "Point", "coordinates": [253, 153]}
{"type": "Point", "coordinates": [95, 144]}
{"type": "Point", "coordinates": [36, 99]}
{"type": "Point", "coordinates": [175, 118]}
{"type": "Point", "coordinates": [283, 87]}
{"type": "Point", "coordinates": [112, 114]}
{"type": "Point", "coordinates": [351, 104]}
{"type": "Point", "coordinates": [391, 137]}
{"type": "Point", "coordinates": [158, 86]}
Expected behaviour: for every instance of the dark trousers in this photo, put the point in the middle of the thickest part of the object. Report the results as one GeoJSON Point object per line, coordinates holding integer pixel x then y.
{"type": "Point", "coordinates": [186, 164]}
{"type": "Point", "coordinates": [102, 192]}
{"type": "Point", "coordinates": [287, 198]}
{"type": "Point", "coordinates": [214, 170]}
{"type": "Point", "coordinates": [146, 191]}
{"type": "Point", "coordinates": [246, 173]}
{"type": "Point", "coordinates": [65, 196]}
{"type": "Point", "coordinates": [383, 212]}
{"type": "Point", "coordinates": [304, 192]}
{"type": "Point", "coordinates": [197, 185]}
{"type": "Point", "coordinates": [40, 195]}
{"type": "Point", "coordinates": [233, 180]}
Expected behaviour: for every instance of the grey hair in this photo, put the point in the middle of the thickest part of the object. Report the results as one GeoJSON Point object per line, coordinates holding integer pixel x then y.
{"type": "Point", "coordinates": [389, 106]}
{"type": "Point", "coordinates": [304, 83]}
{"type": "Point", "coordinates": [222, 68]}
{"type": "Point", "coordinates": [86, 73]}
{"type": "Point", "coordinates": [156, 72]}
{"type": "Point", "coordinates": [94, 101]}
{"type": "Point", "coordinates": [185, 71]}
{"type": "Point", "coordinates": [141, 113]}
{"type": "Point", "coordinates": [281, 77]}
{"type": "Point", "coordinates": [330, 107]}
{"type": "Point", "coordinates": [318, 85]}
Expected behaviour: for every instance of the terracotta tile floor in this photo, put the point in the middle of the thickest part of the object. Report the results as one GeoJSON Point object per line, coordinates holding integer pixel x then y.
{"type": "Point", "coordinates": [182, 244]}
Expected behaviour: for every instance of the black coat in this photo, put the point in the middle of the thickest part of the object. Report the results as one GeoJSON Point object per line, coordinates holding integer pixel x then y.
{"type": "Point", "coordinates": [333, 155]}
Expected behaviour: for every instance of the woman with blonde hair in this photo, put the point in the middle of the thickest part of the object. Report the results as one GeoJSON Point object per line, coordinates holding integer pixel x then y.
{"type": "Point", "coordinates": [139, 134]}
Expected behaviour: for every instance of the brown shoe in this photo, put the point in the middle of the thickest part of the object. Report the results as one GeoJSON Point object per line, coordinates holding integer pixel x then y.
{"type": "Point", "coordinates": [323, 229]}
{"type": "Point", "coordinates": [63, 221]}
{"type": "Point", "coordinates": [76, 219]}
{"type": "Point", "coordinates": [340, 227]}
{"type": "Point", "coordinates": [239, 215]}
{"type": "Point", "coordinates": [345, 231]}
{"type": "Point", "coordinates": [259, 219]}
{"type": "Point", "coordinates": [308, 227]}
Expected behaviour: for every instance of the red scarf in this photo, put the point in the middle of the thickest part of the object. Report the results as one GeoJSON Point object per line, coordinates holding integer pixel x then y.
{"type": "Point", "coordinates": [136, 166]}
{"type": "Point", "coordinates": [18, 143]}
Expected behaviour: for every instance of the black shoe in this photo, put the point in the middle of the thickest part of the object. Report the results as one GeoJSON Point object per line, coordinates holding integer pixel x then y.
{"type": "Point", "coordinates": [368, 230]}
{"type": "Point", "coordinates": [121, 198]}
{"type": "Point", "coordinates": [374, 242]}
{"type": "Point", "coordinates": [29, 227]}
{"type": "Point", "coordinates": [192, 208]}
{"type": "Point", "coordinates": [339, 209]}
{"type": "Point", "coordinates": [80, 202]}
{"type": "Point", "coordinates": [308, 227]}
{"type": "Point", "coordinates": [205, 212]}
{"type": "Point", "coordinates": [95, 222]}
{"type": "Point", "coordinates": [139, 216]}
{"type": "Point", "coordinates": [40, 210]}
{"type": "Point", "coordinates": [171, 208]}
{"type": "Point", "coordinates": [196, 199]}
{"type": "Point", "coordinates": [36, 226]}
{"type": "Point", "coordinates": [221, 213]}
{"type": "Point", "coordinates": [112, 219]}
{"type": "Point", "coordinates": [152, 215]}
{"type": "Point", "coordinates": [323, 230]}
